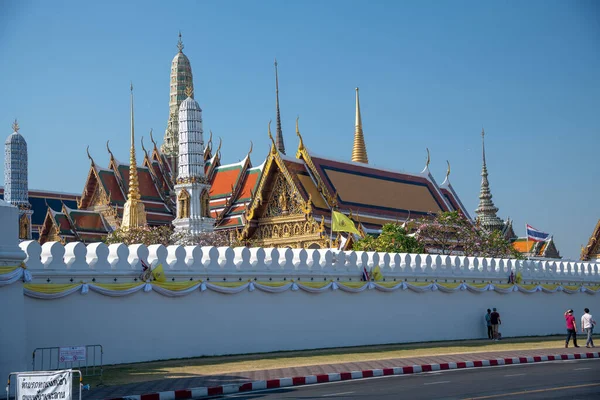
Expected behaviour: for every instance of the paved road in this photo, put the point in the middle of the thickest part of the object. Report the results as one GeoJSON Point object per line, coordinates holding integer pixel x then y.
{"type": "Point", "coordinates": [577, 379]}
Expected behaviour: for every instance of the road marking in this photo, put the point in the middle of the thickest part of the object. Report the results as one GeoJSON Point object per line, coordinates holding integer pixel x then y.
{"type": "Point", "coordinates": [436, 383]}
{"type": "Point", "coordinates": [336, 394]}
{"type": "Point", "coordinates": [580, 369]}
{"type": "Point", "coordinates": [533, 391]}
{"type": "Point", "coordinates": [514, 375]}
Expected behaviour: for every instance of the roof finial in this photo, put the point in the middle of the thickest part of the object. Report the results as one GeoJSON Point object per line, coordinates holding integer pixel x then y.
{"type": "Point", "coordinates": [15, 126]}
{"type": "Point", "coordinates": [180, 43]}
{"type": "Point", "coordinates": [301, 144]}
{"type": "Point", "coordinates": [152, 139]}
{"type": "Point", "coordinates": [428, 158]}
{"type": "Point", "coordinates": [251, 148]}
{"type": "Point", "coordinates": [448, 170]}
{"type": "Point", "coordinates": [109, 152]}
{"type": "Point", "coordinates": [359, 151]}
{"type": "Point", "coordinates": [143, 148]}
{"type": "Point", "coordinates": [219, 147]}
{"type": "Point", "coordinates": [270, 135]}
{"type": "Point", "coordinates": [89, 156]}
{"type": "Point", "coordinates": [279, 134]}
{"type": "Point", "coordinates": [189, 91]}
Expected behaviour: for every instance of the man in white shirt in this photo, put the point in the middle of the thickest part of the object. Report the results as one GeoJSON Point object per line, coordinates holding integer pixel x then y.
{"type": "Point", "coordinates": [587, 325]}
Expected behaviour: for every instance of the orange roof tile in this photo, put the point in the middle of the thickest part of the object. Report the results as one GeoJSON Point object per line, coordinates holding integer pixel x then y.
{"type": "Point", "coordinates": [223, 180]}
{"type": "Point", "coordinates": [87, 221]}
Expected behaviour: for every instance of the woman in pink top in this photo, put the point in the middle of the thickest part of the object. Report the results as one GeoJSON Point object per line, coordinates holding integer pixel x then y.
{"type": "Point", "coordinates": [571, 328]}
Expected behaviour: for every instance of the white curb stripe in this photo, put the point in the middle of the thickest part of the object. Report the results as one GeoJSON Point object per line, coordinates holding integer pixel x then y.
{"type": "Point", "coordinates": [285, 382]}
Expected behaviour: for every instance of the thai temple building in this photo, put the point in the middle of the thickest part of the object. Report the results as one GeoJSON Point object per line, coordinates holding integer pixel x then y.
{"type": "Point", "coordinates": [591, 252]}
{"type": "Point", "coordinates": [281, 201]}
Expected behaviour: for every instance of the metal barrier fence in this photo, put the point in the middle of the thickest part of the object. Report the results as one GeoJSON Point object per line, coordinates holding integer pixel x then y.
{"type": "Point", "coordinates": [50, 359]}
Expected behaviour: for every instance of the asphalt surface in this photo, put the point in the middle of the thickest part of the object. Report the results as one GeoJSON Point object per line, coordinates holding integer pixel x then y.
{"type": "Point", "coordinates": [577, 379]}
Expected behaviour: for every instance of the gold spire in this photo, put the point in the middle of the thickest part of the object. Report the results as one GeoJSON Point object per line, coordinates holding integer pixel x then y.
{"type": "Point", "coordinates": [15, 126]}
{"type": "Point", "coordinates": [359, 152]}
{"type": "Point", "coordinates": [133, 213]}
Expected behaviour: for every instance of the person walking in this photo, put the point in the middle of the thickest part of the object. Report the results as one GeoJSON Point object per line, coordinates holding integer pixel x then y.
{"type": "Point", "coordinates": [488, 322]}
{"type": "Point", "coordinates": [495, 321]}
{"type": "Point", "coordinates": [571, 328]}
{"type": "Point", "coordinates": [587, 326]}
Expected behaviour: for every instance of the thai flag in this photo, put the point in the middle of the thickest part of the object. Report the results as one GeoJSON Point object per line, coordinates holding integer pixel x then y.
{"type": "Point", "coordinates": [365, 274]}
{"type": "Point", "coordinates": [535, 235]}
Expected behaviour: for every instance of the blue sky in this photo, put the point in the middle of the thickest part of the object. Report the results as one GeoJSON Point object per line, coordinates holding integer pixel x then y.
{"type": "Point", "coordinates": [431, 74]}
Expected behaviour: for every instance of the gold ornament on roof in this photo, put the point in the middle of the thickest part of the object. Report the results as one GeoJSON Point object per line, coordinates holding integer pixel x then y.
{"type": "Point", "coordinates": [359, 151]}
{"type": "Point", "coordinates": [189, 92]}
{"type": "Point", "coordinates": [15, 126]}
{"type": "Point", "coordinates": [448, 171]}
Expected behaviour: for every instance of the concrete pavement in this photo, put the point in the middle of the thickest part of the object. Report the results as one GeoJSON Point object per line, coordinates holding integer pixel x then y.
{"type": "Point", "coordinates": [579, 379]}
{"type": "Point", "coordinates": [250, 380]}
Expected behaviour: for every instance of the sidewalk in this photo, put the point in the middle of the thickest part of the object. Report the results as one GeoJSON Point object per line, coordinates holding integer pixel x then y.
{"type": "Point", "coordinates": [165, 385]}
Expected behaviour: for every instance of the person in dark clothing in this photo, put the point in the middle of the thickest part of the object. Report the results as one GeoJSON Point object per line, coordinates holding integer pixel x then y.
{"type": "Point", "coordinates": [495, 320]}
{"type": "Point", "coordinates": [488, 322]}
{"type": "Point", "coordinates": [571, 328]}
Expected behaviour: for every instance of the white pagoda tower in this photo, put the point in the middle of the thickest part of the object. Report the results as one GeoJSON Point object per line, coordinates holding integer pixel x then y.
{"type": "Point", "coordinates": [15, 179]}
{"type": "Point", "coordinates": [192, 188]}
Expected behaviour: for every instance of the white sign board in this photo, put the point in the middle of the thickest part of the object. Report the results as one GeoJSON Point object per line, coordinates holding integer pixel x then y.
{"type": "Point", "coordinates": [44, 385]}
{"type": "Point", "coordinates": [71, 354]}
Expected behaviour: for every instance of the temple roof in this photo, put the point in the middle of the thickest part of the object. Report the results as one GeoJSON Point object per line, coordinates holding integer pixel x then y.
{"type": "Point", "coordinates": [592, 249]}
{"type": "Point", "coordinates": [382, 192]}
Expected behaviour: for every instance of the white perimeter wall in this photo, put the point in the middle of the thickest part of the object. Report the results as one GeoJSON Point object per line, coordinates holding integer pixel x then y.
{"type": "Point", "coordinates": [149, 326]}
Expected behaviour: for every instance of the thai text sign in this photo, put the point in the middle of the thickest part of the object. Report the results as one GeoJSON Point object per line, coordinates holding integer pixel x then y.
{"type": "Point", "coordinates": [71, 354]}
{"type": "Point", "coordinates": [44, 385]}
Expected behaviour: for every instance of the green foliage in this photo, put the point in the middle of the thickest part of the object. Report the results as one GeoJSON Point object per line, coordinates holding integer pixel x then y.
{"type": "Point", "coordinates": [394, 238]}
{"type": "Point", "coordinates": [445, 233]}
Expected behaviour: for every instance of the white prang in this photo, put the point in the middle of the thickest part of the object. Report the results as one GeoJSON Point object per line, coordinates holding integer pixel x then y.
{"type": "Point", "coordinates": [192, 214]}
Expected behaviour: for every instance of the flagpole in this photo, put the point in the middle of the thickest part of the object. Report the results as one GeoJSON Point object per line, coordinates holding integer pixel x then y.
{"type": "Point", "coordinates": [527, 238]}
{"type": "Point", "coordinates": [331, 231]}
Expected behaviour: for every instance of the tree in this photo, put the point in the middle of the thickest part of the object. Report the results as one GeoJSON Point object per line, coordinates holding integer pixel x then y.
{"type": "Point", "coordinates": [394, 238]}
{"type": "Point", "coordinates": [452, 233]}
{"type": "Point", "coordinates": [446, 233]}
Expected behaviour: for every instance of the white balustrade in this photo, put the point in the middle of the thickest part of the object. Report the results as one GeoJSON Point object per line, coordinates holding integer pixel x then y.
{"type": "Point", "coordinates": [114, 260]}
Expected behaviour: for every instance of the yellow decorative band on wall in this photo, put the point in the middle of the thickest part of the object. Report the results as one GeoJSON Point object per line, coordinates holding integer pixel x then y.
{"type": "Point", "coordinates": [49, 291]}
{"type": "Point", "coordinates": [12, 274]}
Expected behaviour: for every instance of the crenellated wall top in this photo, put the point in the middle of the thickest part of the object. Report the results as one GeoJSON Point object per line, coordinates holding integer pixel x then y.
{"type": "Point", "coordinates": [118, 262]}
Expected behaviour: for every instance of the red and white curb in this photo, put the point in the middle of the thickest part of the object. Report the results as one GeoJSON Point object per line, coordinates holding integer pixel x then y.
{"type": "Point", "coordinates": [201, 392]}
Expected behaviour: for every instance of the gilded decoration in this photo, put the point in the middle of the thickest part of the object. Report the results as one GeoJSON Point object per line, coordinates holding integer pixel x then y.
{"type": "Point", "coordinates": [205, 202]}
{"type": "Point", "coordinates": [183, 204]}
{"type": "Point", "coordinates": [24, 227]}
{"type": "Point", "coordinates": [286, 219]}
{"type": "Point", "coordinates": [284, 200]}
{"type": "Point", "coordinates": [193, 179]}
